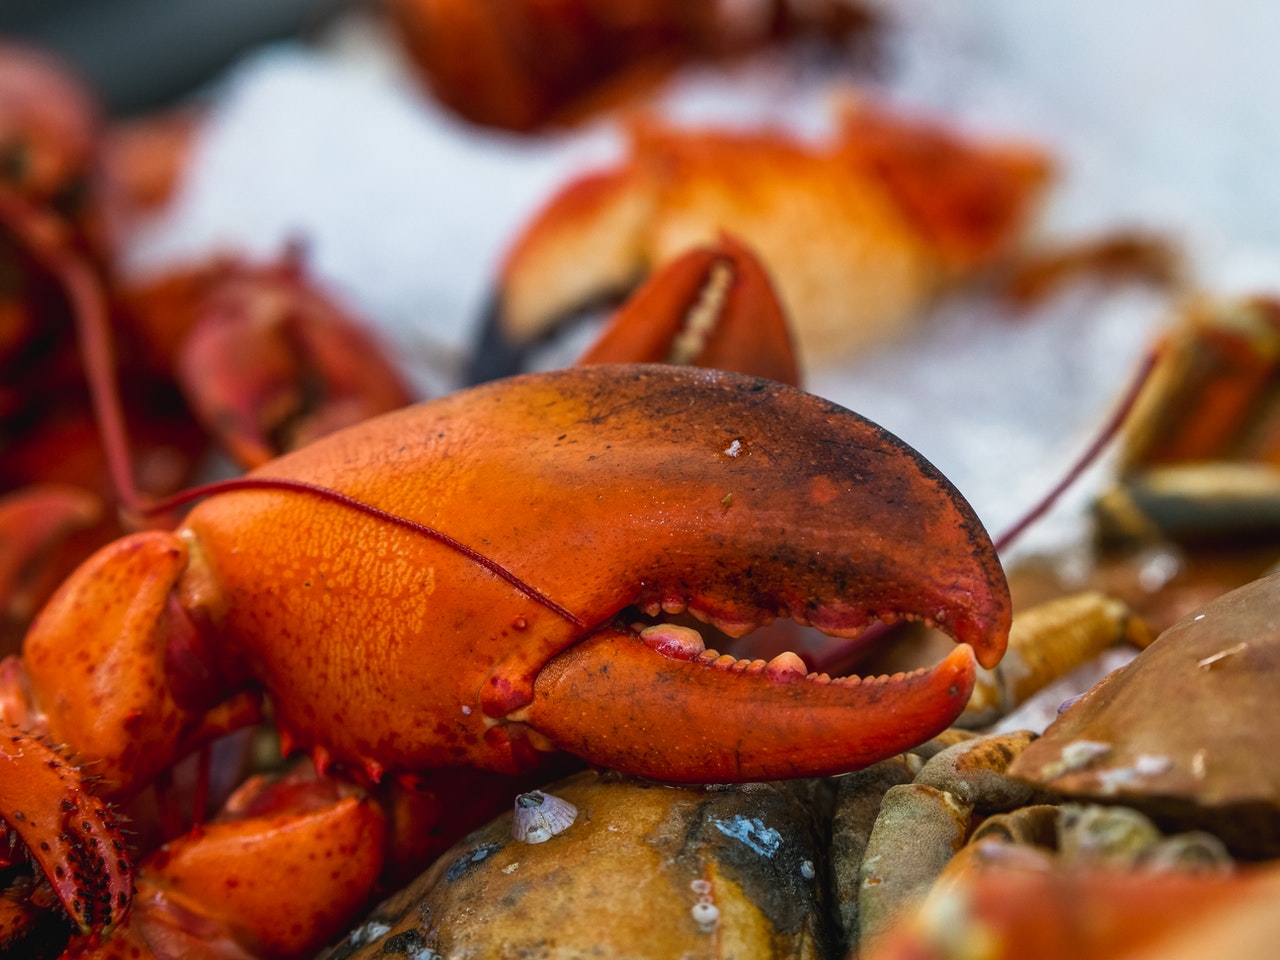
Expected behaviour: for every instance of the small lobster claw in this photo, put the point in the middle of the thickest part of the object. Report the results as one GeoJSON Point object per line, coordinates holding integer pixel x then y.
{"type": "Point", "coordinates": [266, 361]}
{"type": "Point", "coordinates": [277, 874]}
{"type": "Point", "coordinates": [715, 307]}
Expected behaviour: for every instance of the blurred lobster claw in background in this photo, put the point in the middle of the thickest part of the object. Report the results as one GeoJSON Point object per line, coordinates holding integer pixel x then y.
{"type": "Point", "coordinates": [858, 233]}
{"type": "Point", "coordinates": [49, 141]}
{"type": "Point", "coordinates": [266, 361]}
{"type": "Point", "coordinates": [711, 307]}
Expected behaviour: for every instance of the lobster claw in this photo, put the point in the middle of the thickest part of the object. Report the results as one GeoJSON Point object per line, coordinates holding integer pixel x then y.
{"type": "Point", "coordinates": [266, 360]}
{"type": "Point", "coordinates": [714, 306]}
{"type": "Point", "coordinates": [276, 874]}
{"type": "Point", "coordinates": [688, 726]}
{"type": "Point", "coordinates": [773, 503]}
{"type": "Point", "coordinates": [859, 233]}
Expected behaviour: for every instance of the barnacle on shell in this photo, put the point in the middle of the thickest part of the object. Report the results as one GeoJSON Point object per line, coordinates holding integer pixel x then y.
{"type": "Point", "coordinates": [540, 816]}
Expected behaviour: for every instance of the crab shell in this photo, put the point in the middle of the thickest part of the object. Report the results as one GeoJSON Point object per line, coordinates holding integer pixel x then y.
{"type": "Point", "coordinates": [646, 871]}
{"type": "Point", "coordinates": [1186, 731]}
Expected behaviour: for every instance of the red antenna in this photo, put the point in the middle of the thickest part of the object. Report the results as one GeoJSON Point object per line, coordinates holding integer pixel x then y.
{"type": "Point", "coordinates": [1090, 455]}
{"type": "Point", "coordinates": [44, 240]}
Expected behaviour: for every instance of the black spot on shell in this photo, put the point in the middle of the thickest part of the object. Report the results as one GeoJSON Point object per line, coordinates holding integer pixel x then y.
{"type": "Point", "coordinates": [410, 941]}
{"type": "Point", "coordinates": [459, 867]}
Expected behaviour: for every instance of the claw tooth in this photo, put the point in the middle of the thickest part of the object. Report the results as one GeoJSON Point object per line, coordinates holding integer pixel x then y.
{"type": "Point", "coordinates": [321, 758]}
{"type": "Point", "coordinates": [678, 643]}
{"type": "Point", "coordinates": [786, 666]}
{"type": "Point", "coordinates": [674, 605]}
{"type": "Point", "coordinates": [755, 667]}
{"type": "Point", "coordinates": [734, 628]}
{"type": "Point", "coordinates": [725, 660]}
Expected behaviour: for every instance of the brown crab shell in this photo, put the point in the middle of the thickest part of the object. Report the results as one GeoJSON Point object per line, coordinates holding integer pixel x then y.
{"type": "Point", "coordinates": [1187, 731]}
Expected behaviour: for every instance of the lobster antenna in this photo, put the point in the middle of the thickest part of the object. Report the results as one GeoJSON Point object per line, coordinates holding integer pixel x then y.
{"type": "Point", "coordinates": [45, 242]}
{"type": "Point", "coordinates": [1087, 458]}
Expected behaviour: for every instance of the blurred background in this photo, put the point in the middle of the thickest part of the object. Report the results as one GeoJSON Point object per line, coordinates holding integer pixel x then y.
{"type": "Point", "coordinates": [142, 54]}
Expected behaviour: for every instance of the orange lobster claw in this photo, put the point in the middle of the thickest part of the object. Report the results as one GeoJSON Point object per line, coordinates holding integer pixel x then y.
{"type": "Point", "coordinates": [711, 307]}
{"type": "Point", "coordinates": [44, 800]}
{"type": "Point", "coordinates": [279, 874]}
{"type": "Point", "coordinates": [406, 590]}
{"type": "Point", "coordinates": [859, 233]}
{"type": "Point", "coordinates": [591, 491]}
{"type": "Point", "coordinates": [688, 727]}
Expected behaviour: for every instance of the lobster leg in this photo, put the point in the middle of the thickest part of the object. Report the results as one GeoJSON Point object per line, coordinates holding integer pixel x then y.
{"type": "Point", "coordinates": [79, 848]}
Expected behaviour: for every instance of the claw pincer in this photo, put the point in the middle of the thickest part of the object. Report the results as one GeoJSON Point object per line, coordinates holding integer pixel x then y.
{"type": "Point", "coordinates": [68, 832]}
{"type": "Point", "coordinates": [453, 585]}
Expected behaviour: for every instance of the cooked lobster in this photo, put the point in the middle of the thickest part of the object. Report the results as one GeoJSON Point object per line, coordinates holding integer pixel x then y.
{"type": "Point", "coordinates": [466, 584]}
